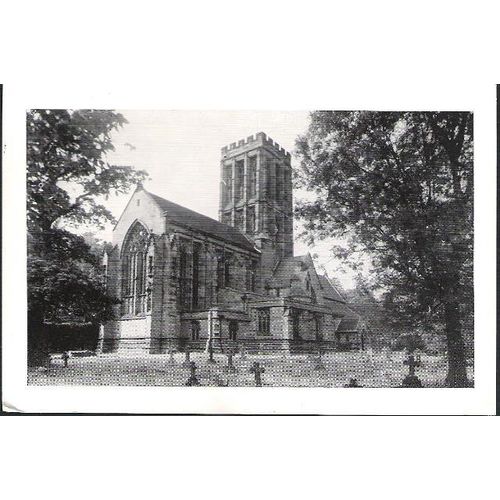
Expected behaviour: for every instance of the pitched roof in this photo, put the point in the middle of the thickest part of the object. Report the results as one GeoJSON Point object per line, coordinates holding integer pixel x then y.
{"type": "Point", "coordinates": [288, 268]}
{"type": "Point", "coordinates": [206, 225]}
{"type": "Point", "coordinates": [329, 291]}
{"type": "Point", "coordinates": [348, 325]}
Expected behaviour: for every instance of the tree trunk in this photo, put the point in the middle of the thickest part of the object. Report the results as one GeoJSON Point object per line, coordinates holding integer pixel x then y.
{"type": "Point", "coordinates": [457, 373]}
{"type": "Point", "coordinates": [38, 349]}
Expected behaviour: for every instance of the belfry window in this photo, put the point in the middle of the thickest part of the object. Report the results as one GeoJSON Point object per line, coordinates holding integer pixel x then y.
{"type": "Point", "coordinates": [136, 281]}
{"type": "Point", "coordinates": [228, 183]}
{"type": "Point", "coordinates": [238, 181]}
{"type": "Point", "coordinates": [251, 176]}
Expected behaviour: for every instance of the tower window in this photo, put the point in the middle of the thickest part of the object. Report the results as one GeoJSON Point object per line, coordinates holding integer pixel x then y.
{"type": "Point", "coordinates": [279, 182]}
{"type": "Point", "coordinates": [252, 176]}
{"type": "Point", "coordinates": [238, 181]}
{"type": "Point", "coordinates": [228, 184]}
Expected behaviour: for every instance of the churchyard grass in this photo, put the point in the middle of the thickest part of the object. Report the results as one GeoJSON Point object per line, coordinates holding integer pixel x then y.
{"type": "Point", "coordinates": [377, 369]}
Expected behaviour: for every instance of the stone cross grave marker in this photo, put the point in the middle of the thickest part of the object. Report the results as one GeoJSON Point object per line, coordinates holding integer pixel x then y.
{"type": "Point", "coordinates": [411, 380]}
{"type": "Point", "coordinates": [192, 380]}
{"type": "Point", "coordinates": [230, 365]}
{"type": "Point", "coordinates": [257, 370]}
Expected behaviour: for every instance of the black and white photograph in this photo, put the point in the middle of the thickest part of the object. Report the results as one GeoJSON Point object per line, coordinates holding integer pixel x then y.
{"type": "Point", "coordinates": [249, 249]}
{"type": "Point", "coordinates": [243, 249]}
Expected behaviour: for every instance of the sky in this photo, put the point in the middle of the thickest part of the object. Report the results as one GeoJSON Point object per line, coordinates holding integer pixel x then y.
{"type": "Point", "coordinates": [180, 150]}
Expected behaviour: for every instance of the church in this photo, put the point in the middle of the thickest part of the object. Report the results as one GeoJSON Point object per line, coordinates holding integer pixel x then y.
{"type": "Point", "coordinates": [183, 277]}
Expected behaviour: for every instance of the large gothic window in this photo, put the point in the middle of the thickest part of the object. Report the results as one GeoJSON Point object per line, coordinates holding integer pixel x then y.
{"type": "Point", "coordinates": [137, 262]}
{"type": "Point", "coordinates": [189, 275]}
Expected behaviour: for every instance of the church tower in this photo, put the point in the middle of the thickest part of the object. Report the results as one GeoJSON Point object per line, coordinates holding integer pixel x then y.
{"type": "Point", "coordinates": [256, 194]}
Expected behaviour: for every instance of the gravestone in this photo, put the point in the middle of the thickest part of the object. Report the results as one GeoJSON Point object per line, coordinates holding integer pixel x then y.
{"type": "Point", "coordinates": [171, 359]}
{"type": "Point", "coordinates": [318, 362]}
{"type": "Point", "coordinates": [243, 353]}
{"type": "Point", "coordinates": [192, 380]}
{"type": "Point", "coordinates": [230, 366]}
{"type": "Point", "coordinates": [65, 357]}
{"type": "Point", "coordinates": [257, 370]}
{"type": "Point", "coordinates": [187, 359]}
{"type": "Point", "coordinates": [219, 382]}
{"type": "Point", "coordinates": [411, 380]}
{"type": "Point", "coordinates": [353, 382]}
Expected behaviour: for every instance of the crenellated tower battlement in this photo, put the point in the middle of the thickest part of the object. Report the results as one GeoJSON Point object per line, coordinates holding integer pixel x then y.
{"type": "Point", "coordinates": [258, 140]}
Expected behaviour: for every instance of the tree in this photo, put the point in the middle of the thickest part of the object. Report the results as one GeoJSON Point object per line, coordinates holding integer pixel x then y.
{"type": "Point", "coordinates": [398, 187]}
{"type": "Point", "coordinates": [67, 173]}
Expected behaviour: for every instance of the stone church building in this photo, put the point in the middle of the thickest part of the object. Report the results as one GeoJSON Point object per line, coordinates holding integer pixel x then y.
{"type": "Point", "coordinates": [182, 276]}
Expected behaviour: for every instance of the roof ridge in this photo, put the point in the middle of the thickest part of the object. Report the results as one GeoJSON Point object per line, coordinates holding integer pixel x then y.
{"type": "Point", "coordinates": [225, 232]}
{"type": "Point", "coordinates": [186, 208]}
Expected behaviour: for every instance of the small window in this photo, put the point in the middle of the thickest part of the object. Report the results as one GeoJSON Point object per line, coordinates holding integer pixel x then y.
{"type": "Point", "coordinates": [233, 329]}
{"type": "Point", "coordinates": [195, 330]}
{"type": "Point", "coordinates": [264, 318]}
{"type": "Point", "coordinates": [138, 202]}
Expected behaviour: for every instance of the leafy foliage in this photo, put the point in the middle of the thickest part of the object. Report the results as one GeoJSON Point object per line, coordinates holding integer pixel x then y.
{"type": "Point", "coordinates": [67, 167]}
{"type": "Point", "coordinates": [398, 187]}
{"type": "Point", "coordinates": [67, 173]}
{"type": "Point", "coordinates": [410, 342]}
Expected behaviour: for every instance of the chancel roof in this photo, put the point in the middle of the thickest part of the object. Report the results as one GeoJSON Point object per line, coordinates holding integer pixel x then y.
{"type": "Point", "coordinates": [203, 224]}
